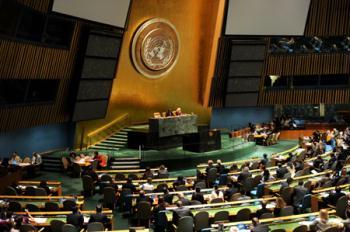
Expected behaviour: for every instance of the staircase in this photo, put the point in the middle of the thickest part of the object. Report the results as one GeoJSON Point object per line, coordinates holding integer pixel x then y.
{"type": "Point", "coordinates": [125, 163]}
{"type": "Point", "coordinates": [51, 164]}
{"type": "Point", "coordinates": [115, 142]}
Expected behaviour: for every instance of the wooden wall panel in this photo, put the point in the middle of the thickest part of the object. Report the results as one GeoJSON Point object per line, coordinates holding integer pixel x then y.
{"type": "Point", "coordinates": [40, 5]}
{"type": "Point", "coordinates": [328, 18]}
{"type": "Point", "coordinates": [305, 96]}
{"type": "Point", "coordinates": [309, 64]}
{"type": "Point", "coordinates": [218, 86]}
{"type": "Point", "coordinates": [30, 61]}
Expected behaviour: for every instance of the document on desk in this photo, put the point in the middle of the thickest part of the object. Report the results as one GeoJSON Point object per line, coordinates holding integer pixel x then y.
{"type": "Point", "coordinates": [40, 220]}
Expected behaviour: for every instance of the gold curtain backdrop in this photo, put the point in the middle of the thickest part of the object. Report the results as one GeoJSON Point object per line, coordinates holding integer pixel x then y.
{"type": "Point", "coordinates": [187, 85]}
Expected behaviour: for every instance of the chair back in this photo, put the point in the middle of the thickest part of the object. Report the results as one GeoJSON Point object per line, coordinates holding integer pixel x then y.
{"type": "Point", "coordinates": [14, 206]}
{"type": "Point", "coordinates": [109, 198]}
{"type": "Point", "coordinates": [254, 165]}
{"type": "Point", "coordinates": [10, 191]}
{"type": "Point", "coordinates": [181, 188]}
{"type": "Point", "coordinates": [88, 184]}
{"type": "Point", "coordinates": [328, 183]}
{"type": "Point", "coordinates": [144, 211]}
{"type": "Point", "coordinates": [69, 228]}
{"type": "Point", "coordinates": [56, 225]}
{"type": "Point", "coordinates": [287, 194]}
{"type": "Point", "coordinates": [287, 211]}
{"type": "Point", "coordinates": [200, 184]}
{"type": "Point", "coordinates": [235, 196]}
{"type": "Point", "coordinates": [256, 180]}
{"type": "Point", "coordinates": [27, 228]}
{"type": "Point", "coordinates": [201, 220]}
{"type": "Point", "coordinates": [52, 206]}
{"type": "Point", "coordinates": [30, 191]}
{"type": "Point", "coordinates": [133, 176]}
{"type": "Point", "coordinates": [160, 187]}
{"type": "Point", "coordinates": [40, 192]}
{"type": "Point", "coordinates": [32, 208]}
{"type": "Point", "coordinates": [243, 215]}
{"type": "Point", "coordinates": [217, 200]}
{"type": "Point", "coordinates": [299, 173]}
{"type": "Point", "coordinates": [95, 226]}
{"type": "Point", "coordinates": [76, 170]}
{"type": "Point", "coordinates": [266, 215]}
{"type": "Point", "coordinates": [221, 216]}
{"type": "Point", "coordinates": [301, 228]}
{"type": "Point", "coordinates": [194, 202]}
{"type": "Point", "coordinates": [340, 207]}
{"type": "Point", "coordinates": [68, 205]}
{"type": "Point", "coordinates": [106, 178]}
{"type": "Point", "coordinates": [278, 230]}
{"type": "Point", "coordinates": [185, 224]}
{"type": "Point", "coordinates": [162, 176]}
{"type": "Point", "coordinates": [119, 176]}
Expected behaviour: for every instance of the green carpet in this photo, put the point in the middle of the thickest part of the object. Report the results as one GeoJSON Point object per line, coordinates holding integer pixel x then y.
{"type": "Point", "coordinates": [74, 185]}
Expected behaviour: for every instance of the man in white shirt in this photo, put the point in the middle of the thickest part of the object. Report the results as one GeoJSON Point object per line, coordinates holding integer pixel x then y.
{"type": "Point", "coordinates": [148, 186]}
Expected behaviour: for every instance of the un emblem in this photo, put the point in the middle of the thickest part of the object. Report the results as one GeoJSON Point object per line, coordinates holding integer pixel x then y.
{"type": "Point", "coordinates": [155, 48]}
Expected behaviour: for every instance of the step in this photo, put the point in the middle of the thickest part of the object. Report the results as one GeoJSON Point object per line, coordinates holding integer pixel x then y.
{"type": "Point", "coordinates": [100, 146]}
{"type": "Point", "coordinates": [104, 148]}
{"type": "Point", "coordinates": [125, 167]}
{"type": "Point", "coordinates": [52, 165]}
{"type": "Point", "coordinates": [52, 161]}
{"type": "Point", "coordinates": [112, 142]}
{"type": "Point", "coordinates": [125, 133]}
{"type": "Point", "coordinates": [117, 139]}
{"type": "Point", "coordinates": [125, 162]}
{"type": "Point", "coordinates": [51, 170]}
{"type": "Point", "coordinates": [127, 158]}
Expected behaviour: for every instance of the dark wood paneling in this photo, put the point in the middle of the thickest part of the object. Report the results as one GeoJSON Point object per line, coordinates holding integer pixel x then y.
{"type": "Point", "coordinates": [218, 86]}
{"type": "Point", "coordinates": [310, 64]}
{"type": "Point", "coordinates": [27, 61]}
{"type": "Point", "coordinates": [305, 96]}
{"type": "Point", "coordinates": [328, 18]}
{"type": "Point", "coordinates": [40, 5]}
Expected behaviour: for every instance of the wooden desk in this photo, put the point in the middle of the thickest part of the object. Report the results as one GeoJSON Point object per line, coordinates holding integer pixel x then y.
{"type": "Point", "coordinates": [255, 159]}
{"type": "Point", "coordinates": [47, 217]}
{"type": "Point", "coordinates": [56, 185]}
{"type": "Point", "coordinates": [274, 219]}
{"type": "Point", "coordinates": [41, 200]}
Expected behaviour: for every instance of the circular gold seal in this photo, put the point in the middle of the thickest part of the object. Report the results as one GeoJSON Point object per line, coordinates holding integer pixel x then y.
{"type": "Point", "coordinates": [155, 48]}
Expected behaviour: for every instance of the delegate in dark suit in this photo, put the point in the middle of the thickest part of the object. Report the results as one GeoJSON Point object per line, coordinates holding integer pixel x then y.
{"type": "Point", "coordinates": [180, 212]}
{"type": "Point", "coordinates": [299, 192]}
{"type": "Point", "coordinates": [76, 218]}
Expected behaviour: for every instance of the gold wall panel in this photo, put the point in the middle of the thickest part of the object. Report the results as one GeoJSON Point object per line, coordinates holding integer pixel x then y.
{"type": "Point", "coordinates": [197, 23]}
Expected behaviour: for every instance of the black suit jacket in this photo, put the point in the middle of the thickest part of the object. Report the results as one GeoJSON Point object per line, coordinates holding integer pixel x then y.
{"type": "Point", "coordinates": [99, 217]}
{"type": "Point", "coordinates": [333, 198]}
{"type": "Point", "coordinates": [198, 197]}
{"type": "Point", "coordinates": [76, 220]}
{"type": "Point", "coordinates": [179, 213]}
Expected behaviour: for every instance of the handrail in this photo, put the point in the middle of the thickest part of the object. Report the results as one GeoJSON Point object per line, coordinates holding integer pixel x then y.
{"type": "Point", "coordinates": [107, 130]}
